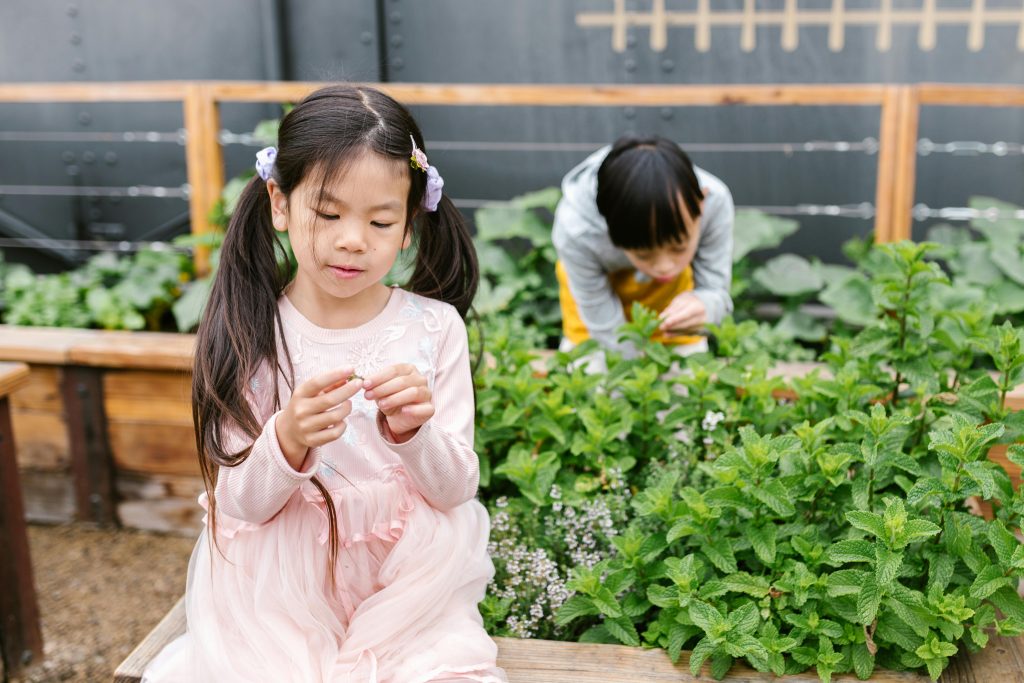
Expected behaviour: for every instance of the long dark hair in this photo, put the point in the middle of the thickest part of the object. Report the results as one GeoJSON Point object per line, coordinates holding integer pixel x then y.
{"type": "Point", "coordinates": [639, 187]}
{"type": "Point", "coordinates": [238, 333]}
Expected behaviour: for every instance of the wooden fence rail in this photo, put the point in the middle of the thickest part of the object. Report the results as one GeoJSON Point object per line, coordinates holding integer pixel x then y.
{"type": "Point", "coordinates": [899, 112]}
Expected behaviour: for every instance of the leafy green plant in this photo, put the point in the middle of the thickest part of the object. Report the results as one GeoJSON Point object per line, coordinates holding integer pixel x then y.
{"type": "Point", "coordinates": [815, 524]}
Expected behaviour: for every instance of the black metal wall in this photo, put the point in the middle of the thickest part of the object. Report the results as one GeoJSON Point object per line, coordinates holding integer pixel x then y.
{"type": "Point", "coordinates": [494, 153]}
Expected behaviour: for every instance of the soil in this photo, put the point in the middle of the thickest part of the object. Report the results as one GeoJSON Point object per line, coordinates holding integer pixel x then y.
{"type": "Point", "coordinates": [100, 592]}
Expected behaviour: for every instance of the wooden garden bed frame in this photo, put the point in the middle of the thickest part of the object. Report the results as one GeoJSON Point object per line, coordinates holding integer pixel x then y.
{"type": "Point", "coordinates": [546, 661]}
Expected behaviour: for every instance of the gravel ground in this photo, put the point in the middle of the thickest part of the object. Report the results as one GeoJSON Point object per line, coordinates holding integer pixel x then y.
{"type": "Point", "coordinates": [100, 593]}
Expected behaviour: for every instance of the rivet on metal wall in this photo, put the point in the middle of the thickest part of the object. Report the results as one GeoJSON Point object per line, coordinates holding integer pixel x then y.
{"type": "Point", "coordinates": [76, 38]}
{"type": "Point", "coordinates": [110, 158]}
{"type": "Point", "coordinates": [84, 118]}
{"type": "Point", "coordinates": [88, 157]}
{"type": "Point", "coordinates": [396, 17]}
{"type": "Point", "coordinates": [397, 63]}
{"type": "Point", "coordinates": [366, 37]}
{"type": "Point", "coordinates": [78, 65]}
{"type": "Point", "coordinates": [114, 201]}
{"type": "Point", "coordinates": [629, 112]}
{"type": "Point", "coordinates": [67, 156]}
{"type": "Point", "coordinates": [630, 65]}
{"type": "Point", "coordinates": [95, 213]}
{"type": "Point", "coordinates": [396, 41]}
{"type": "Point", "coordinates": [72, 11]}
{"type": "Point", "coordinates": [631, 40]}
{"type": "Point", "coordinates": [72, 170]}
{"type": "Point", "coordinates": [667, 65]}
{"type": "Point", "coordinates": [667, 113]}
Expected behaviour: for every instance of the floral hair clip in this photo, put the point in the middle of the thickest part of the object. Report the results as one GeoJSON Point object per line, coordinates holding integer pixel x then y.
{"type": "Point", "coordinates": [265, 162]}
{"type": "Point", "coordinates": [418, 160]}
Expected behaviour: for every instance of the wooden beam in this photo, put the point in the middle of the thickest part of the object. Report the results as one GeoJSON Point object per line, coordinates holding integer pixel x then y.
{"type": "Point", "coordinates": [559, 95]}
{"type": "Point", "coordinates": [888, 142]}
{"type": "Point", "coordinates": [904, 181]}
{"type": "Point", "coordinates": [971, 95]}
{"type": "Point", "coordinates": [21, 639]}
{"type": "Point", "coordinates": [91, 462]}
{"type": "Point", "coordinates": [205, 161]}
{"type": "Point", "coordinates": [141, 91]}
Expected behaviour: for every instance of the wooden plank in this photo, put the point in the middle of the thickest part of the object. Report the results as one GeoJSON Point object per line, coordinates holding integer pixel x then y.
{"type": "Point", "coordinates": [143, 350]}
{"type": "Point", "coordinates": [1001, 661]}
{"type": "Point", "coordinates": [21, 638]}
{"type": "Point", "coordinates": [888, 140]}
{"type": "Point", "coordinates": [13, 376]}
{"type": "Point", "coordinates": [91, 463]}
{"type": "Point", "coordinates": [42, 440]}
{"type": "Point", "coordinates": [154, 448]}
{"type": "Point", "coordinates": [42, 391]}
{"type": "Point", "coordinates": [205, 162]}
{"type": "Point", "coordinates": [38, 344]}
{"type": "Point", "coordinates": [566, 94]}
{"type": "Point", "coordinates": [139, 91]}
{"type": "Point", "coordinates": [904, 180]}
{"type": "Point", "coordinates": [971, 95]}
{"type": "Point", "coordinates": [148, 396]}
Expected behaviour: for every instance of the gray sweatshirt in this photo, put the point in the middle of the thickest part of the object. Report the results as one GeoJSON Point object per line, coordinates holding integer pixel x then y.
{"type": "Point", "coordinates": [580, 235]}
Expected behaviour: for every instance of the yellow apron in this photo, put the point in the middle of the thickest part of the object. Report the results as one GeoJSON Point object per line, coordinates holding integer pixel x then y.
{"type": "Point", "coordinates": [654, 295]}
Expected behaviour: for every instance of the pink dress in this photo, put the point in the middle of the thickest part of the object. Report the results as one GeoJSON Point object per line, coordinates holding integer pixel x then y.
{"type": "Point", "coordinates": [413, 562]}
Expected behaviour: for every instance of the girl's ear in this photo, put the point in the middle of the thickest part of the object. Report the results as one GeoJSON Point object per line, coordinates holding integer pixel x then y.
{"type": "Point", "coordinates": [407, 240]}
{"type": "Point", "coordinates": [278, 206]}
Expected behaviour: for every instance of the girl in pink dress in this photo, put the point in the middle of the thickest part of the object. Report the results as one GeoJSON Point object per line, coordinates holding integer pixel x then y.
{"type": "Point", "coordinates": [334, 418]}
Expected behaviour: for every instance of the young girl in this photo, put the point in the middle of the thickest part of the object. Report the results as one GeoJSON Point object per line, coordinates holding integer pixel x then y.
{"type": "Point", "coordinates": [639, 222]}
{"type": "Point", "coordinates": [334, 418]}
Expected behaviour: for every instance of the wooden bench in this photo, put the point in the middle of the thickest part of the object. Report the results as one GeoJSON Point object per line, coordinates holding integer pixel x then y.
{"type": "Point", "coordinates": [546, 661]}
{"type": "Point", "coordinates": [21, 639]}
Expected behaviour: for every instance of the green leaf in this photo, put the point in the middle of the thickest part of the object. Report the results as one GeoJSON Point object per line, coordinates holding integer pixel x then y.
{"type": "Point", "coordinates": [789, 275]}
{"type": "Point", "coordinates": [623, 629]}
{"type": "Point", "coordinates": [719, 551]}
{"type": "Point", "coordinates": [573, 608]}
{"type": "Point", "coordinates": [916, 529]}
{"type": "Point", "coordinates": [776, 496]}
{"type": "Point", "coordinates": [743, 620]}
{"type": "Point", "coordinates": [755, 230]}
{"type": "Point", "coordinates": [988, 582]}
{"type": "Point", "coordinates": [762, 538]}
{"type": "Point", "coordinates": [868, 599]}
{"type": "Point", "coordinates": [1003, 542]}
{"type": "Point", "coordinates": [605, 601]}
{"type": "Point", "coordinates": [706, 617]}
{"type": "Point", "coordinates": [981, 473]}
{"type": "Point", "coordinates": [857, 550]}
{"type": "Point", "coordinates": [846, 582]}
{"type": "Point", "coordinates": [701, 652]}
{"type": "Point", "coordinates": [867, 521]}
{"type": "Point", "coordinates": [887, 564]}
{"type": "Point", "coordinates": [863, 661]}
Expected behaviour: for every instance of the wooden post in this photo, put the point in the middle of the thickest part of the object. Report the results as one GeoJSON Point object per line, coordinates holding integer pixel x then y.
{"type": "Point", "coordinates": [884, 182]}
{"type": "Point", "coordinates": [205, 160]}
{"type": "Point", "coordinates": [21, 639]}
{"type": "Point", "coordinates": [91, 462]}
{"type": "Point", "coordinates": [906, 165]}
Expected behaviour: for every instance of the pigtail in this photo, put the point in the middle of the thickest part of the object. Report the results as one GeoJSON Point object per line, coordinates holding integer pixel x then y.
{"type": "Point", "coordinates": [446, 266]}
{"type": "Point", "coordinates": [236, 334]}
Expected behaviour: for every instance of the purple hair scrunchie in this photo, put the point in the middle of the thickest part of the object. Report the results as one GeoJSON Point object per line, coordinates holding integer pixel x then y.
{"type": "Point", "coordinates": [265, 162]}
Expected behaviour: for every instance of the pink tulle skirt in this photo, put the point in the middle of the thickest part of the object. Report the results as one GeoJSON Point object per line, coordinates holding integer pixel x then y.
{"type": "Point", "coordinates": [402, 608]}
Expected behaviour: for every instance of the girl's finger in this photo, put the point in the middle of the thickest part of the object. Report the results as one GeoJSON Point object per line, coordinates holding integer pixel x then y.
{"type": "Point", "coordinates": [391, 404]}
{"type": "Point", "coordinates": [335, 397]}
{"type": "Point", "coordinates": [425, 411]}
{"type": "Point", "coordinates": [393, 386]}
{"type": "Point", "coordinates": [326, 436]}
{"type": "Point", "coordinates": [326, 381]}
{"type": "Point", "coordinates": [328, 418]}
{"type": "Point", "coordinates": [388, 374]}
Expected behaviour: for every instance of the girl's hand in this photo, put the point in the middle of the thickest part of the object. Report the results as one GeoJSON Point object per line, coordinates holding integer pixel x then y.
{"type": "Point", "coordinates": [686, 312]}
{"type": "Point", "coordinates": [315, 414]}
{"type": "Point", "coordinates": [403, 398]}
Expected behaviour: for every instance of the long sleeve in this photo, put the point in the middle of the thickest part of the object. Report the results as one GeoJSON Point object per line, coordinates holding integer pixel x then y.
{"type": "Point", "coordinates": [599, 307]}
{"type": "Point", "coordinates": [712, 264]}
{"type": "Point", "coordinates": [439, 458]}
{"type": "Point", "coordinates": [257, 488]}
